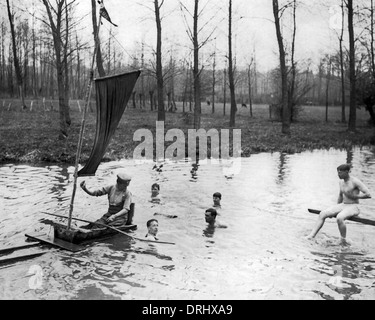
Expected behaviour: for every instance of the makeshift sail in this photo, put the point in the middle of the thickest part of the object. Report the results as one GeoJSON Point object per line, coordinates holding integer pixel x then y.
{"type": "Point", "coordinates": [112, 96]}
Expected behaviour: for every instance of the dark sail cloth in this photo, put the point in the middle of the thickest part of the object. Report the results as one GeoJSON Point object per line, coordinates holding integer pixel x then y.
{"type": "Point", "coordinates": [112, 96]}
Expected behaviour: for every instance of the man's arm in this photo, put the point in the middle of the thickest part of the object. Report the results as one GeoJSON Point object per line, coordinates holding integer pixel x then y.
{"type": "Point", "coordinates": [118, 214]}
{"type": "Point", "coordinates": [96, 193]}
{"type": "Point", "coordinates": [364, 191]}
{"type": "Point", "coordinates": [340, 199]}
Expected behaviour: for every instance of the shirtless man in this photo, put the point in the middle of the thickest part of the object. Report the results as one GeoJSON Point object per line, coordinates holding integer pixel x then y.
{"type": "Point", "coordinates": [351, 190]}
{"type": "Point", "coordinates": [210, 216]}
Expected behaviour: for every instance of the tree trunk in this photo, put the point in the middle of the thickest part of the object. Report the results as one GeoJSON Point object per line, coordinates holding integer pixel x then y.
{"type": "Point", "coordinates": [343, 98]}
{"type": "Point", "coordinates": [187, 81]}
{"type": "Point", "coordinates": [225, 90]}
{"type": "Point", "coordinates": [291, 98]}
{"type": "Point", "coordinates": [159, 67]}
{"type": "Point", "coordinates": [213, 83]}
{"type": "Point", "coordinates": [196, 72]}
{"type": "Point", "coordinates": [143, 102]}
{"type": "Point", "coordinates": [250, 93]}
{"type": "Point", "coordinates": [34, 76]}
{"type": "Point", "coordinates": [60, 60]}
{"type": "Point", "coordinates": [353, 98]}
{"type": "Point", "coordinates": [233, 106]}
{"type": "Point", "coordinates": [151, 99]}
{"type": "Point", "coordinates": [284, 75]}
{"type": "Point", "coordinates": [255, 93]}
{"type": "Point", "coordinates": [327, 85]}
{"type": "Point", "coordinates": [66, 69]}
{"type": "Point", "coordinates": [15, 57]}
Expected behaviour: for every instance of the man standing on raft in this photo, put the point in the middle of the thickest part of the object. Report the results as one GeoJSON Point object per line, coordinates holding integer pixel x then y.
{"type": "Point", "coordinates": [351, 190]}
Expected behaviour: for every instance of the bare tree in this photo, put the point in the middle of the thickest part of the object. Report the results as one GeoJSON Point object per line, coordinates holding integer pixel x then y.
{"type": "Point", "coordinates": [186, 84]}
{"type": "Point", "coordinates": [328, 62]}
{"type": "Point", "coordinates": [196, 71]}
{"type": "Point", "coordinates": [341, 39]}
{"type": "Point", "coordinates": [143, 95]}
{"type": "Point", "coordinates": [225, 90]}
{"type": "Point", "coordinates": [250, 87]}
{"type": "Point", "coordinates": [159, 66]}
{"type": "Point", "coordinates": [193, 34]}
{"type": "Point", "coordinates": [233, 104]}
{"type": "Point", "coordinates": [352, 68]}
{"type": "Point", "coordinates": [59, 25]}
{"type": "Point", "coordinates": [17, 67]}
{"type": "Point", "coordinates": [291, 93]}
{"type": "Point", "coordinates": [213, 81]}
{"type": "Point", "coordinates": [34, 57]}
{"type": "Point", "coordinates": [277, 12]}
{"type": "Point", "coordinates": [2, 56]}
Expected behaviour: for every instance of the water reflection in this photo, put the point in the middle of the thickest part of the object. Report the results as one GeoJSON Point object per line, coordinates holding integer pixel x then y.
{"type": "Point", "coordinates": [58, 187]}
{"type": "Point", "coordinates": [282, 164]}
{"type": "Point", "coordinates": [349, 156]}
{"type": "Point", "coordinates": [194, 169]}
{"type": "Point", "coordinates": [261, 255]}
{"type": "Point", "coordinates": [344, 271]}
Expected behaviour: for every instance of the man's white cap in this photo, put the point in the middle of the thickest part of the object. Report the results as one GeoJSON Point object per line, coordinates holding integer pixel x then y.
{"type": "Point", "coordinates": [123, 176]}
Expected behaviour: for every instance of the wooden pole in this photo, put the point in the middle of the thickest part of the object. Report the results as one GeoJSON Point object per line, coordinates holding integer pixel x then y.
{"type": "Point", "coordinates": [80, 140]}
{"type": "Point", "coordinates": [355, 219]}
{"type": "Point", "coordinates": [24, 246]}
{"type": "Point", "coordinates": [21, 257]}
{"type": "Point", "coordinates": [110, 227]}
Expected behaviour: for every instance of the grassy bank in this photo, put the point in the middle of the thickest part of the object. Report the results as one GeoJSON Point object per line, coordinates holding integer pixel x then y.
{"type": "Point", "coordinates": [31, 136]}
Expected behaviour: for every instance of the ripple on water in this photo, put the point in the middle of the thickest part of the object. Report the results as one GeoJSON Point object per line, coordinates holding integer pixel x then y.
{"type": "Point", "coordinates": [261, 255]}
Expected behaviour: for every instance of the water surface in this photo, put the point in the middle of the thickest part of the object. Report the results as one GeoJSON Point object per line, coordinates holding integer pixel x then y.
{"type": "Point", "coordinates": [261, 255]}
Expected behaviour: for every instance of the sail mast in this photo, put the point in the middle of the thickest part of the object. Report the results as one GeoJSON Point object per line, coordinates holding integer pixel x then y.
{"type": "Point", "coordinates": [83, 122]}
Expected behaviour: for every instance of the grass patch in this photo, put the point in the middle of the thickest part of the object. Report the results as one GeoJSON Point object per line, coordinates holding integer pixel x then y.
{"type": "Point", "coordinates": [32, 136]}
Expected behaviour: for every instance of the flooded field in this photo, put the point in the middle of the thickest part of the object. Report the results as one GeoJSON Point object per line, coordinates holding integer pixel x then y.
{"type": "Point", "coordinates": [261, 255]}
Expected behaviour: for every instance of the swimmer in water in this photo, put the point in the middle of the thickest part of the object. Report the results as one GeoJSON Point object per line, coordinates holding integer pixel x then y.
{"type": "Point", "coordinates": [216, 199]}
{"type": "Point", "coordinates": [155, 190]}
{"type": "Point", "coordinates": [210, 216]}
{"type": "Point", "coordinates": [153, 228]}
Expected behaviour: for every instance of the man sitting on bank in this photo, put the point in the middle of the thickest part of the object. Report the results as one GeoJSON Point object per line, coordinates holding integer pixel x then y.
{"type": "Point", "coordinates": [120, 199]}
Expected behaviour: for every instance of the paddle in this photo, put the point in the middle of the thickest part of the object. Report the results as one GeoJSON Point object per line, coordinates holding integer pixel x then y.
{"type": "Point", "coordinates": [21, 257]}
{"type": "Point", "coordinates": [25, 246]}
{"type": "Point", "coordinates": [110, 227]}
{"type": "Point", "coordinates": [355, 219]}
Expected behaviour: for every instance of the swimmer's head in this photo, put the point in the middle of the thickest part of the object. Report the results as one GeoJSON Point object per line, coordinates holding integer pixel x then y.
{"type": "Point", "coordinates": [343, 170]}
{"type": "Point", "coordinates": [210, 215]}
{"type": "Point", "coordinates": [217, 198]}
{"type": "Point", "coordinates": [155, 189]}
{"type": "Point", "coordinates": [153, 226]}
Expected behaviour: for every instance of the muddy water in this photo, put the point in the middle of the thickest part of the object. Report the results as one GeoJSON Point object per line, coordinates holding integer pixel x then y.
{"type": "Point", "coordinates": [261, 255]}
